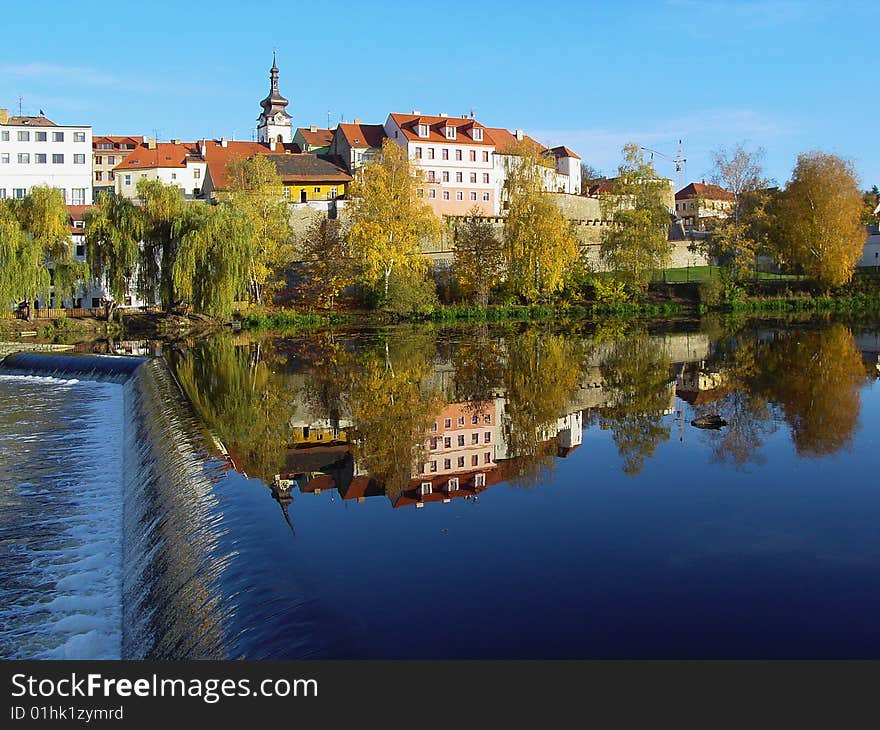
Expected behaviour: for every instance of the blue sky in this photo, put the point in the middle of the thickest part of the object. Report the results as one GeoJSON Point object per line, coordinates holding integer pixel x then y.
{"type": "Point", "coordinates": [787, 75]}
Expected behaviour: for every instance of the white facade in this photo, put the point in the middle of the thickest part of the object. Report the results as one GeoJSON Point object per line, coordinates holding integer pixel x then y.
{"type": "Point", "coordinates": [34, 151]}
{"type": "Point", "coordinates": [871, 252]}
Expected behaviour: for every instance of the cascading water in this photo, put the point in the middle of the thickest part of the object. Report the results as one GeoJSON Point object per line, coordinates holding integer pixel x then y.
{"type": "Point", "coordinates": [109, 526]}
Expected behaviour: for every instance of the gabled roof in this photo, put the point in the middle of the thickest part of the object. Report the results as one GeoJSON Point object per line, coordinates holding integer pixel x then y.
{"type": "Point", "coordinates": [408, 123]}
{"type": "Point", "coordinates": [705, 191]}
{"type": "Point", "coordinates": [361, 136]}
{"type": "Point", "coordinates": [166, 154]}
{"type": "Point", "coordinates": [317, 138]}
{"type": "Point", "coordinates": [218, 157]}
{"type": "Point", "coordinates": [505, 140]}
{"type": "Point", "coordinates": [302, 167]}
{"type": "Point", "coordinates": [115, 140]}
{"type": "Point", "coordinates": [563, 151]}
{"type": "Point", "coordinates": [31, 121]}
{"type": "Point", "coordinates": [603, 187]}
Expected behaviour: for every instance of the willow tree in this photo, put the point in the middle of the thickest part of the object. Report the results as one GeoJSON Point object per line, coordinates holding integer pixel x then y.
{"type": "Point", "coordinates": [23, 272]}
{"type": "Point", "coordinates": [256, 191]}
{"type": "Point", "coordinates": [819, 219]}
{"type": "Point", "coordinates": [161, 207]}
{"type": "Point", "coordinates": [540, 247]}
{"type": "Point", "coordinates": [388, 219]}
{"type": "Point", "coordinates": [637, 240]}
{"type": "Point", "coordinates": [213, 266]}
{"type": "Point", "coordinates": [44, 217]}
{"type": "Point", "coordinates": [114, 230]}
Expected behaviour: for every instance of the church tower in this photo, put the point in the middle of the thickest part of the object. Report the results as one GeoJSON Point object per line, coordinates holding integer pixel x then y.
{"type": "Point", "coordinates": [274, 123]}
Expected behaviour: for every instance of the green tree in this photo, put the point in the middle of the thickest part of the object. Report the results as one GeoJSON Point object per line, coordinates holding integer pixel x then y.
{"type": "Point", "coordinates": [819, 219]}
{"type": "Point", "coordinates": [328, 267]}
{"type": "Point", "coordinates": [479, 257]}
{"type": "Point", "coordinates": [388, 219]}
{"type": "Point", "coordinates": [161, 206]}
{"type": "Point", "coordinates": [256, 191]}
{"type": "Point", "coordinates": [637, 240]}
{"type": "Point", "coordinates": [114, 230]}
{"type": "Point", "coordinates": [23, 272]}
{"type": "Point", "coordinates": [540, 246]}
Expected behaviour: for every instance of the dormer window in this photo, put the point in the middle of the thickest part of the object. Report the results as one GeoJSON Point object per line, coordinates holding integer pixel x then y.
{"type": "Point", "coordinates": [423, 130]}
{"type": "Point", "coordinates": [478, 134]}
{"type": "Point", "coordinates": [450, 132]}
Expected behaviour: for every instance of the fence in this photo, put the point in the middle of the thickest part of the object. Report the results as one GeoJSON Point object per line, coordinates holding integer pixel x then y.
{"type": "Point", "coordinates": [59, 312]}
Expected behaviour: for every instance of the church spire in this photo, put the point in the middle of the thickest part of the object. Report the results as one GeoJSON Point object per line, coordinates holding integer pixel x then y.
{"type": "Point", "coordinates": [274, 123]}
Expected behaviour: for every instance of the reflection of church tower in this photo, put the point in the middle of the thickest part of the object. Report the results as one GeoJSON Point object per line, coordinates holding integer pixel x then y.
{"type": "Point", "coordinates": [274, 124]}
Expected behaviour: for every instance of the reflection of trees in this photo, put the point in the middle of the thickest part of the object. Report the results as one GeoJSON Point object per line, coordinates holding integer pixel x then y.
{"type": "Point", "coordinates": [237, 395]}
{"type": "Point", "coordinates": [540, 377]}
{"type": "Point", "coordinates": [393, 405]}
{"type": "Point", "coordinates": [478, 361]}
{"type": "Point", "coordinates": [748, 425]}
{"type": "Point", "coordinates": [815, 377]}
{"type": "Point", "coordinates": [636, 378]}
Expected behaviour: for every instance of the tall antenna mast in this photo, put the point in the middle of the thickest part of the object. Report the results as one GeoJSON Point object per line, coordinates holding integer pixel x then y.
{"type": "Point", "coordinates": [20, 100]}
{"type": "Point", "coordinates": [328, 119]}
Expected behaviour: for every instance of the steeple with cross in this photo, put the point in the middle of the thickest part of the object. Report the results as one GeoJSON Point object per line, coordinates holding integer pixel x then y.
{"type": "Point", "coordinates": [274, 123]}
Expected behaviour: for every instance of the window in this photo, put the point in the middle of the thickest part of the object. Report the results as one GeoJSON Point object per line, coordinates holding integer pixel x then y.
{"type": "Point", "coordinates": [127, 179]}
{"type": "Point", "coordinates": [105, 146]}
{"type": "Point", "coordinates": [480, 480]}
{"type": "Point", "coordinates": [444, 154]}
{"type": "Point", "coordinates": [434, 427]}
{"type": "Point", "coordinates": [420, 193]}
{"type": "Point", "coordinates": [40, 136]}
{"type": "Point", "coordinates": [475, 460]}
{"type": "Point", "coordinates": [19, 193]}
{"type": "Point", "coordinates": [111, 159]}
{"type": "Point", "coordinates": [57, 159]}
{"type": "Point", "coordinates": [473, 177]}
{"type": "Point", "coordinates": [433, 443]}
{"type": "Point", "coordinates": [40, 158]}
{"type": "Point", "coordinates": [445, 195]}
{"type": "Point", "coordinates": [459, 195]}
{"type": "Point", "coordinates": [80, 249]}
{"type": "Point", "coordinates": [4, 158]}
{"type": "Point", "coordinates": [487, 418]}
{"type": "Point", "coordinates": [2, 193]}
{"type": "Point", "coordinates": [485, 155]}
{"type": "Point", "coordinates": [425, 488]}
{"type": "Point", "coordinates": [450, 132]}
{"type": "Point", "coordinates": [418, 153]}
{"type": "Point", "coordinates": [447, 464]}
{"type": "Point", "coordinates": [286, 192]}
{"type": "Point", "coordinates": [487, 437]}
{"type": "Point", "coordinates": [447, 442]}
{"type": "Point", "coordinates": [432, 194]}
{"type": "Point", "coordinates": [458, 155]}
{"type": "Point", "coordinates": [99, 160]}
{"type": "Point", "coordinates": [475, 419]}
{"type": "Point", "coordinates": [423, 130]}
{"type": "Point", "coordinates": [472, 155]}
{"type": "Point", "coordinates": [486, 197]}
{"type": "Point", "coordinates": [432, 176]}
{"type": "Point", "coordinates": [96, 302]}
{"type": "Point", "coordinates": [317, 190]}
{"type": "Point", "coordinates": [461, 420]}
{"type": "Point", "coordinates": [111, 176]}
{"type": "Point", "coordinates": [452, 484]}
{"type": "Point", "coordinates": [459, 177]}
{"type": "Point", "coordinates": [174, 176]}
{"type": "Point", "coordinates": [474, 197]}
{"type": "Point", "coordinates": [24, 136]}
{"type": "Point", "coordinates": [57, 136]}
{"type": "Point", "coordinates": [461, 439]}
{"type": "Point", "coordinates": [23, 158]}
{"type": "Point", "coordinates": [334, 193]}
{"type": "Point", "coordinates": [433, 466]}
{"type": "Point", "coordinates": [4, 135]}
{"type": "Point", "coordinates": [477, 134]}
{"type": "Point", "coordinates": [485, 178]}
{"type": "Point", "coordinates": [446, 176]}
{"type": "Point", "coordinates": [447, 423]}
{"type": "Point", "coordinates": [487, 457]}
{"type": "Point", "coordinates": [475, 439]}
{"type": "Point", "coordinates": [78, 196]}
{"type": "Point", "coordinates": [430, 153]}
{"type": "Point", "coordinates": [79, 159]}
{"type": "Point", "coordinates": [79, 136]}
{"type": "Point", "coordinates": [460, 462]}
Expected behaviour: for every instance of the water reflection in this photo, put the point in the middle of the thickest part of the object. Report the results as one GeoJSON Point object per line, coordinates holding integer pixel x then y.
{"type": "Point", "coordinates": [419, 416]}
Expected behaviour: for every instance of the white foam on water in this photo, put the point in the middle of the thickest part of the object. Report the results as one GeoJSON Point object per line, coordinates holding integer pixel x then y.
{"type": "Point", "coordinates": [60, 518]}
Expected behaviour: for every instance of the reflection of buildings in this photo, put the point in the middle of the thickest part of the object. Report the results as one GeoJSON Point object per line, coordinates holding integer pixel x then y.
{"type": "Point", "coordinates": [697, 386]}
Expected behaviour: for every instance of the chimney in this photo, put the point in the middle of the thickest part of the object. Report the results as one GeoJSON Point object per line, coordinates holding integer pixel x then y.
{"type": "Point", "coordinates": [313, 128]}
{"type": "Point", "coordinates": [519, 135]}
{"type": "Point", "coordinates": [357, 121]}
{"type": "Point", "coordinates": [271, 145]}
{"type": "Point", "coordinates": [151, 144]}
{"type": "Point", "coordinates": [4, 116]}
{"type": "Point", "coordinates": [443, 114]}
{"type": "Point", "coordinates": [175, 141]}
{"type": "Point", "coordinates": [417, 112]}
{"type": "Point", "coordinates": [224, 142]}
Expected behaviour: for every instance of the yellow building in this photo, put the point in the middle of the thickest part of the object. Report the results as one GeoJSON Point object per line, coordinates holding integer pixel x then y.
{"type": "Point", "coordinates": [308, 178]}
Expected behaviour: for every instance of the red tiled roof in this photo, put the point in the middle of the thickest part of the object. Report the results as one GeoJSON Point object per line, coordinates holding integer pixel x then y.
{"type": "Point", "coordinates": [318, 138]}
{"type": "Point", "coordinates": [504, 140]}
{"type": "Point", "coordinates": [218, 157]}
{"type": "Point", "coordinates": [363, 135]}
{"type": "Point", "coordinates": [115, 140]}
{"type": "Point", "coordinates": [166, 154]}
{"type": "Point", "coordinates": [31, 121]}
{"type": "Point", "coordinates": [563, 151]}
{"type": "Point", "coordinates": [705, 191]}
{"type": "Point", "coordinates": [408, 123]}
{"type": "Point", "coordinates": [603, 188]}
{"type": "Point", "coordinates": [77, 213]}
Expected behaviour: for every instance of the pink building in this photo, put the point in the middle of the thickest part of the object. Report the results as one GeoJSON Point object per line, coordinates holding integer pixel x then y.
{"type": "Point", "coordinates": [461, 440]}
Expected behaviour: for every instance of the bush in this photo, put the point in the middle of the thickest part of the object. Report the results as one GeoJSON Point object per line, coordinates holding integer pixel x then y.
{"type": "Point", "coordinates": [712, 293]}
{"type": "Point", "coordinates": [610, 291]}
{"type": "Point", "coordinates": [408, 295]}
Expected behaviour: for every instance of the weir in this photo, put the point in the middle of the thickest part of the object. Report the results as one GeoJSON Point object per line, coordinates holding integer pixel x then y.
{"type": "Point", "coordinates": [147, 497]}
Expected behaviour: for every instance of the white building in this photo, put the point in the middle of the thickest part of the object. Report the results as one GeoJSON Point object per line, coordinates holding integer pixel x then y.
{"type": "Point", "coordinates": [274, 123]}
{"type": "Point", "coordinates": [174, 163]}
{"type": "Point", "coordinates": [871, 251]}
{"type": "Point", "coordinates": [36, 151]}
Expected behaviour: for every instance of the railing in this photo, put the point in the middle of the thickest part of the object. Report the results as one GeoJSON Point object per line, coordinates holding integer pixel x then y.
{"type": "Point", "coordinates": [57, 312]}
